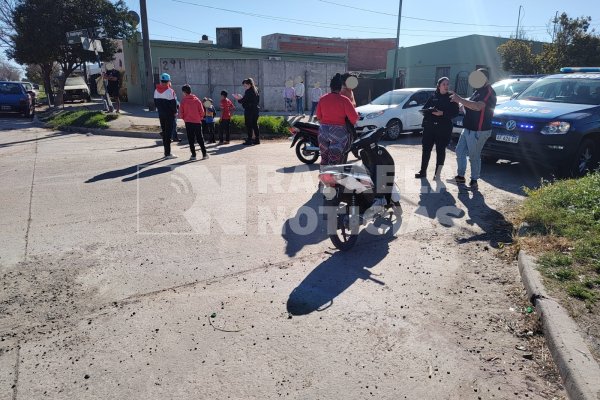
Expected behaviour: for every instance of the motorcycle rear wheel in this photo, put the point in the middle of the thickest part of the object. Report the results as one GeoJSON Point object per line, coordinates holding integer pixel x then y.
{"type": "Point", "coordinates": [343, 239]}
{"type": "Point", "coordinates": [305, 156]}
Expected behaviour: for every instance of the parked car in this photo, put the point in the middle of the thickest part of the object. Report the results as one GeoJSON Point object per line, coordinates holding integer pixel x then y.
{"type": "Point", "coordinates": [32, 90]}
{"type": "Point", "coordinates": [555, 122]}
{"type": "Point", "coordinates": [15, 98]}
{"type": "Point", "coordinates": [76, 89]}
{"type": "Point", "coordinates": [398, 110]}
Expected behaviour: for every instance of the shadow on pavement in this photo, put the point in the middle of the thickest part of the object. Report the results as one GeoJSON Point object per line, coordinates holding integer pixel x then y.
{"type": "Point", "coordinates": [117, 173]}
{"type": "Point", "coordinates": [54, 135]}
{"type": "Point", "coordinates": [496, 229]}
{"type": "Point", "coordinates": [158, 143]}
{"type": "Point", "coordinates": [306, 227]}
{"type": "Point", "coordinates": [336, 274]}
{"type": "Point", "coordinates": [298, 168]}
{"type": "Point", "coordinates": [438, 203]}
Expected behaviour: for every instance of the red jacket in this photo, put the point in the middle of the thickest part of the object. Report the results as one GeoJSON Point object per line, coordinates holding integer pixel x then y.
{"type": "Point", "coordinates": [226, 108]}
{"type": "Point", "coordinates": [333, 108]}
{"type": "Point", "coordinates": [191, 109]}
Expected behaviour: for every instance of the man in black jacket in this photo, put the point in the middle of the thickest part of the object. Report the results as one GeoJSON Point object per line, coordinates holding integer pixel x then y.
{"type": "Point", "coordinates": [165, 100]}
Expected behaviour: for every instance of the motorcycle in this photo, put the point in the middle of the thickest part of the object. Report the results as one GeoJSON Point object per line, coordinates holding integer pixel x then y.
{"type": "Point", "coordinates": [349, 191]}
{"type": "Point", "coordinates": [305, 136]}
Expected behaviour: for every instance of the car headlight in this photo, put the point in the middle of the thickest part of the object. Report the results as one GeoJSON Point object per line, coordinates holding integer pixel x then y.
{"type": "Point", "coordinates": [374, 115]}
{"type": "Point", "coordinates": [556, 128]}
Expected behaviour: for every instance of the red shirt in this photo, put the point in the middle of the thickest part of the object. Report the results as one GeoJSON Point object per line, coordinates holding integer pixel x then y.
{"type": "Point", "coordinates": [226, 108]}
{"type": "Point", "coordinates": [191, 109]}
{"type": "Point", "coordinates": [333, 108]}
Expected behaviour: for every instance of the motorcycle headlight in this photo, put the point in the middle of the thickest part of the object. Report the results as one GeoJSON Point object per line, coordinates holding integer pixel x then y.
{"type": "Point", "coordinates": [556, 128]}
{"type": "Point", "coordinates": [374, 115]}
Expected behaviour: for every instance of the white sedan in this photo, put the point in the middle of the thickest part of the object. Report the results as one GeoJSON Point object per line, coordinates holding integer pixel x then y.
{"type": "Point", "coordinates": [398, 110]}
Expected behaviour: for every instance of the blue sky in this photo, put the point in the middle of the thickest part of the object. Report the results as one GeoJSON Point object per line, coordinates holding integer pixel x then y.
{"type": "Point", "coordinates": [422, 21]}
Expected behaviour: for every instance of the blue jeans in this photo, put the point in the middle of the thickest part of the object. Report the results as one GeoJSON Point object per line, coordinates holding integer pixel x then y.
{"type": "Point", "coordinates": [174, 133]}
{"type": "Point", "coordinates": [300, 105]}
{"type": "Point", "coordinates": [470, 144]}
{"type": "Point", "coordinates": [314, 107]}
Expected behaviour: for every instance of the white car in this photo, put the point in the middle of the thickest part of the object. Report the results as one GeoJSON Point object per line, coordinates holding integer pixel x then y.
{"type": "Point", "coordinates": [398, 110]}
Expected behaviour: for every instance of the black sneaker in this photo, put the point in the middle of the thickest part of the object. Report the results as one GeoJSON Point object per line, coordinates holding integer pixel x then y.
{"type": "Point", "coordinates": [473, 184]}
{"type": "Point", "coordinates": [460, 179]}
{"type": "Point", "coordinates": [256, 141]}
{"type": "Point", "coordinates": [247, 143]}
{"type": "Point", "coordinates": [421, 174]}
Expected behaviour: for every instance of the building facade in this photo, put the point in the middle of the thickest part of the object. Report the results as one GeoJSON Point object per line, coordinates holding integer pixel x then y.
{"type": "Point", "coordinates": [423, 65]}
{"type": "Point", "coordinates": [362, 54]}
{"type": "Point", "coordinates": [208, 69]}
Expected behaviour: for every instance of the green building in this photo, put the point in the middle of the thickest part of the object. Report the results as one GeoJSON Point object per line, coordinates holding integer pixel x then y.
{"type": "Point", "coordinates": [209, 68]}
{"type": "Point", "coordinates": [423, 65]}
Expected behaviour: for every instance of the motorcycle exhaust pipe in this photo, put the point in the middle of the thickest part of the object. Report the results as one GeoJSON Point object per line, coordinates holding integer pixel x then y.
{"type": "Point", "coordinates": [311, 148]}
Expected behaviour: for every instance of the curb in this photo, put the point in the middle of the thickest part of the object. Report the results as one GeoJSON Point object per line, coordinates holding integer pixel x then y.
{"type": "Point", "coordinates": [578, 368]}
{"type": "Point", "coordinates": [108, 132]}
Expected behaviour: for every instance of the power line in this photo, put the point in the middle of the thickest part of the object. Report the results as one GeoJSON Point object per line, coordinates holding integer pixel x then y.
{"type": "Point", "coordinates": [177, 27]}
{"type": "Point", "coordinates": [419, 19]}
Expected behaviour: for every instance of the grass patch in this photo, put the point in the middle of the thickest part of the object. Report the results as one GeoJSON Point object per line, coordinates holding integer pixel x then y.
{"type": "Point", "coordinates": [568, 210]}
{"type": "Point", "coordinates": [82, 118]}
{"type": "Point", "coordinates": [267, 124]}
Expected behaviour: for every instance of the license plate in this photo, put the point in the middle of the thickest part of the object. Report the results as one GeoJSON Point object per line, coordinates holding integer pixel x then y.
{"type": "Point", "coordinates": [508, 138]}
{"type": "Point", "coordinates": [6, 107]}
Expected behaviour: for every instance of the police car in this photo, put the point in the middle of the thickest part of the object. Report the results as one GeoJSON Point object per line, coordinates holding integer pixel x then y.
{"type": "Point", "coordinates": [555, 122]}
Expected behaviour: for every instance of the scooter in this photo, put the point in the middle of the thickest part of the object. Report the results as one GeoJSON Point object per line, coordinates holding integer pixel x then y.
{"type": "Point", "coordinates": [349, 191]}
{"type": "Point", "coordinates": [305, 136]}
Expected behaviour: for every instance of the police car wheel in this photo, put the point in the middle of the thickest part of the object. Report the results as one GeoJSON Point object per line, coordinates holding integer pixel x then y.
{"type": "Point", "coordinates": [585, 160]}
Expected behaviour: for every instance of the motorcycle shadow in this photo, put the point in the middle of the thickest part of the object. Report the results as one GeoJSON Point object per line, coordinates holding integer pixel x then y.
{"type": "Point", "coordinates": [336, 274]}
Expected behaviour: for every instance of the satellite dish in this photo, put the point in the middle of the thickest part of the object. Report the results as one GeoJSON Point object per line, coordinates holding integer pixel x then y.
{"type": "Point", "coordinates": [351, 82]}
{"type": "Point", "coordinates": [477, 79]}
{"type": "Point", "coordinates": [135, 18]}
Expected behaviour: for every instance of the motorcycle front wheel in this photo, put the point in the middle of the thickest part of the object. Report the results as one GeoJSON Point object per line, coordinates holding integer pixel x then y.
{"type": "Point", "coordinates": [306, 156]}
{"type": "Point", "coordinates": [343, 239]}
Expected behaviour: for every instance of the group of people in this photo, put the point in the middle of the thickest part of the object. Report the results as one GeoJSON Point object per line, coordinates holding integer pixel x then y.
{"type": "Point", "coordinates": [438, 112]}
{"type": "Point", "coordinates": [197, 115]}
{"type": "Point", "coordinates": [336, 109]}
{"type": "Point", "coordinates": [294, 94]}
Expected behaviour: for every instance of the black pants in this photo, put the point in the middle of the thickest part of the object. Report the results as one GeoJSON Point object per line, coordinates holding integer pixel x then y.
{"type": "Point", "coordinates": [224, 126]}
{"type": "Point", "coordinates": [251, 122]}
{"type": "Point", "coordinates": [209, 129]}
{"type": "Point", "coordinates": [194, 133]}
{"type": "Point", "coordinates": [167, 122]}
{"type": "Point", "coordinates": [437, 133]}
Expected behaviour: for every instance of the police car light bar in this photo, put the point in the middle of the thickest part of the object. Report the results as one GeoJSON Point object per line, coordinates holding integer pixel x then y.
{"type": "Point", "coordinates": [579, 69]}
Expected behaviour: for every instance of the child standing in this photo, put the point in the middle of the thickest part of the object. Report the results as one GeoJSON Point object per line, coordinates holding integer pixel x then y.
{"type": "Point", "coordinates": [191, 112]}
{"type": "Point", "coordinates": [208, 123]}
{"type": "Point", "coordinates": [227, 108]}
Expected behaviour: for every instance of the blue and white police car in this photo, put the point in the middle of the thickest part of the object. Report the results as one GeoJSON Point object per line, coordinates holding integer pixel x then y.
{"type": "Point", "coordinates": [555, 122]}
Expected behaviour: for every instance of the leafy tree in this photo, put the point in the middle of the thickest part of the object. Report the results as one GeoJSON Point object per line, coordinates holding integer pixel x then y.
{"type": "Point", "coordinates": [573, 45]}
{"type": "Point", "coordinates": [518, 57]}
{"type": "Point", "coordinates": [40, 27]}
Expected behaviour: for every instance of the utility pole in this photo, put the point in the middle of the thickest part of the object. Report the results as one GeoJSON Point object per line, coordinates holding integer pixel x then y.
{"type": "Point", "coordinates": [147, 57]}
{"type": "Point", "coordinates": [518, 22]}
{"type": "Point", "coordinates": [554, 30]}
{"type": "Point", "coordinates": [395, 74]}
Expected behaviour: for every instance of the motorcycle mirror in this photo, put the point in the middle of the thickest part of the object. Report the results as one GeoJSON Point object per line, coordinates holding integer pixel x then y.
{"type": "Point", "coordinates": [352, 82]}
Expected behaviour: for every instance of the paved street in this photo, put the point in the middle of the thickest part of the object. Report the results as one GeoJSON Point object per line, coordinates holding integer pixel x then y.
{"type": "Point", "coordinates": [126, 276]}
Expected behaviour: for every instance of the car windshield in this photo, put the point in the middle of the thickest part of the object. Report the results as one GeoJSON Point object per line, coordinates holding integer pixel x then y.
{"type": "Point", "coordinates": [28, 86]}
{"type": "Point", "coordinates": [508, 88]}
{"type": "Point", "coordinates": [390, 98]}
{"type": "Point", "coordinates": [567, 89]}
{"type": "Point", "coordinates": [75, 81]}
{"type": "Point", "coordinates": [10, 88]}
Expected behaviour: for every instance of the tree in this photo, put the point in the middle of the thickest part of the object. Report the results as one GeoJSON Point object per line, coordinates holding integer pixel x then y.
{"type": "Point", "coordinates": [517, 57]}
{"type": "Point", "coordinates": [8, 72]}
{"type": "Point", "coordinates": [40, 28]}
{"type": "Point", "coordinates": [573, 45]}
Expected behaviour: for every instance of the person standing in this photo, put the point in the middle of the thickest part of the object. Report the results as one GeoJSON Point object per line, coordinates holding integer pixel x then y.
{"type": "Point", "coordinates": [289, 95]}
{"type": "Point", "coordinates": [250, 102]}
{"type": "Point", "coordinates": [208, 123]}
{"type": "Point", "coordinates": [315, 94]}
{"type": "Point", "coordinates": [227, 108]}
{"type": "Point", "coordinates": [113, 83]}
{"type": "Point", "coordinates": [166, 105]}
{"type": "Point", "coordinates": [191, 112]}
{"type": "Point", "coordinates": [332, 111]}
{"type": "Point", "coordinates": [299, 89]}
{"type": "Point", "coordinates": [437, 127]}
{"type": "Point", "coordinates": [477, 123]}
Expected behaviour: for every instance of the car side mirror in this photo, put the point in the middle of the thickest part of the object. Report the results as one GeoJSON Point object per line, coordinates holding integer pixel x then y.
{"type": "Point", "coordinates": [412, 103]}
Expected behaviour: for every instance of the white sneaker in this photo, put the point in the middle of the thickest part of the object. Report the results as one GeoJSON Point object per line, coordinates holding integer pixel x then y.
{"type": "Point", "coordinates": [193, 158]}
{"type": "Point", "coordinates": [170, 157]}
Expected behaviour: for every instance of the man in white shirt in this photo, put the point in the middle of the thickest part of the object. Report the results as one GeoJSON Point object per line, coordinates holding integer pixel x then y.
{"type": "Point", "coordinates": [315, 94]}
